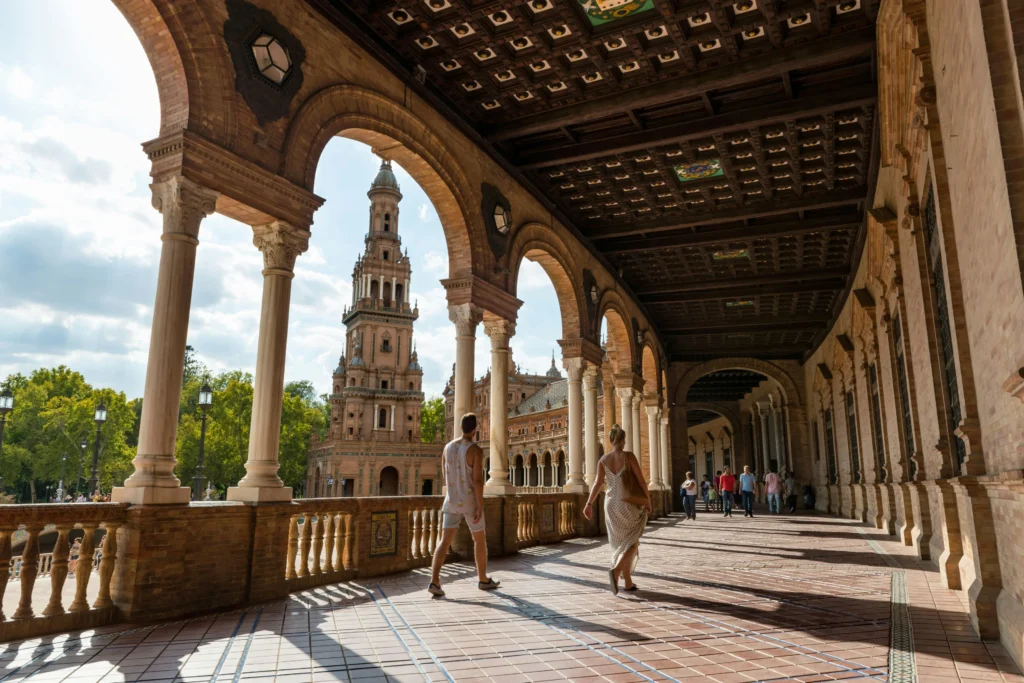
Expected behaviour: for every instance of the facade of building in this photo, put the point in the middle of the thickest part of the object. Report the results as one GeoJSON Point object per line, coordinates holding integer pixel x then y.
{"type": "Point", "coordinates": [537, 421]}
{"type": "Point", "coordinates": [373, 446]}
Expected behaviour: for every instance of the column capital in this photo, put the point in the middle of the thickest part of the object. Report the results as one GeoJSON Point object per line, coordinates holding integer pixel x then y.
{"type": "Point", "coordinates": [624, 393]}
{"type": "Point", "coordinates": [500, 331]}
{"type": "Point", "coordinates": [652, 412]}
{"type": "Point", "coordinates": [184, 204]}
{"type": "Point", "coordinates": [466, 317]}
{"type": "Point", "coordinates": [574, 368]}
{"type": "Point", "coordinates": [590, 375]}
{"type": "Point", "coordinates": [281, 243]}
{"type": "Point", "coordinates": [664, 419]}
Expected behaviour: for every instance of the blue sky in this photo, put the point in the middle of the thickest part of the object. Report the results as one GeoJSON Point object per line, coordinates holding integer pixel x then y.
{"type": "Point", "coordinates": [79, 241]}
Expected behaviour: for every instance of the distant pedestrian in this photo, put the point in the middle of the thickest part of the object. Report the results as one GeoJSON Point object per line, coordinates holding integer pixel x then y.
{"type": "Point", "coordinates": [76, 550]}
{"type": "Point", "coordinates": [791, 487]}
{"type": "Point", "coordinates": [727, 483]}
{"type": "Point", "coordinates": [773, 487]}
{"type": "Point", "coordinates": [705, 486]}
{"type": "Point", "coordinates": [690, 496]}
{"type": "Point", "coordinates": [748, 486]}
{"type": "Point", "coordinates": [718, 489]}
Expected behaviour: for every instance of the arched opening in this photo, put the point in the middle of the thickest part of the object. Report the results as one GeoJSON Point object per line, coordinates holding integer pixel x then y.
{"type": "Point", "coordinates": [518, 472]}
{"type": "Point", "coordinates": [560, 469]}
{"type": "Point", "coordinates": [374, 290]}
{"type": "Point", "coordinates": [532, 471]}
{"type": "Point", "coordinates": [388, 482]}
{"type": "Point", "coordinates": [387, 293]}
{"type": "Point", "coordinates": [382, 418]}
{"type": "Point", "coordinates": [399, 294]}
{"type": "Point", "coordinates": [387, 222]}
{"type": "Point", "coordinates": [547, 476]}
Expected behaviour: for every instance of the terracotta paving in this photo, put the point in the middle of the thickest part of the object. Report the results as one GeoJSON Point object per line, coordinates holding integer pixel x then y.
{"type": "Point", "coordinates": [771, 599]}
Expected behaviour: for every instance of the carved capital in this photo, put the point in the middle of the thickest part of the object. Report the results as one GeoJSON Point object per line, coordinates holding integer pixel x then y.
{"type": "Point", "coordinates": [466, 317]}
{"type": "Point", "coordinates": [184, 204]}
{"type": "Point", "coordinates": [574, 368]}
{"type": "Point", "coordinates": [652, 412]}
{"type": "Point", "coordinates": [625, 394]}
{"type": "Point", "coordinates": [590, 375]}
{"type": "Point", "coordinates": [281, 243]}
{"type": "Point", "coordinates": [500, 331]}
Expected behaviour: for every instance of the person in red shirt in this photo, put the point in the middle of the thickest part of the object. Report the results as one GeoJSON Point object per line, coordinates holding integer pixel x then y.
{"type": "Point", "coordinates": [727, 484]}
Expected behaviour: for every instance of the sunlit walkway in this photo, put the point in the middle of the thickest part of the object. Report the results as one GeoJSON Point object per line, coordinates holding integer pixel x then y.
{"type": "Point", "coordinates": [769, 599]}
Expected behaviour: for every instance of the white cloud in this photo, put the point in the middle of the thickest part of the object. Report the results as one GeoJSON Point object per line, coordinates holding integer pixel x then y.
{"type": "Point", "coordinates": [16, 82]}
{"type": "Point", "coordinates": [436, 263]}
{"type": "Point", "coordinates": [532, 277]}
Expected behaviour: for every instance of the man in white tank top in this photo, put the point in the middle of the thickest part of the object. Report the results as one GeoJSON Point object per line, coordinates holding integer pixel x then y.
{"type": "Point", "coordinates": [463, 464]}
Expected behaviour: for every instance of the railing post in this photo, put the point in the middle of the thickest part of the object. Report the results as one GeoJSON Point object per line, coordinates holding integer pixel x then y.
{"type": "Point", "coordinates": [425, 534]}
{"type": "Point", "coordinates": [307, 538]}
{"type": "Point", "coordinates": [414, 527]}
{"type": "Point", "coordinates": [318, 543]}
{"type": "Point", "coordinates": [83, 570]}
{"type": "Point", "coordinates": [339, 542]}
{"type": "Point", "coordinates": [58, 571]}
{"type": "Point", "coordinates": [29, 569]}
{"type": "Point", "coordinates": [435, 523]}
{"type": "Point", "coordinates": [293, 546]}
{"type": "Point", "coordinates": [347, 556]}
{"type": "Point", "coordinates": [329, 543]}
{"type": "Point", "coordinates": [5, 565]}
{"type": "Point", "coordinates": [109, 550]}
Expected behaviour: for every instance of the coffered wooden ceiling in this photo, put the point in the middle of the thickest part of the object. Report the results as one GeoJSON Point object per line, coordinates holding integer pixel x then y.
{"type": "Point", "coordinates": [717, 153]}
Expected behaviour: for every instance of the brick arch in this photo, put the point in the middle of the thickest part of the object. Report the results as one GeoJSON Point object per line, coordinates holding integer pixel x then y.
{"type": "Point", "coordinates": [728, 412]}
{"type": "Point", "coordinates": [614, 309]}
{"type": "Point", "coordinates": [191, 78]}
{"type": "Point", "coordinates": [649, 368]}
{"type": "Point", "coordinates": [538, 243]}
{"type": "Point", "coordinates": [789, 388]}
{"type": "Point", "coordinates": [376, 120]}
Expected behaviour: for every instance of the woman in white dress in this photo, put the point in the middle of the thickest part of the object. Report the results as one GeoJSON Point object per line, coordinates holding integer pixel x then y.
{"type": "Point", "coordinates": [625, 521]}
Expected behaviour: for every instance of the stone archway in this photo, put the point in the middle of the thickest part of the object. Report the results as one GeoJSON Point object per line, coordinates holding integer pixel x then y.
{"type": "Point", "coordinates": [388, 482]}
{"type": "Point", "coordinates": [789, 387]}
{"type": "Point", "coordinates": [370, 117]}
{"type": "Point", "coordinates": [538, 243]}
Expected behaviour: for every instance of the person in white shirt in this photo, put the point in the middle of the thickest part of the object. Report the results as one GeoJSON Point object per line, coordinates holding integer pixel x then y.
{"type": "Point", "coordinates": [690, 496]}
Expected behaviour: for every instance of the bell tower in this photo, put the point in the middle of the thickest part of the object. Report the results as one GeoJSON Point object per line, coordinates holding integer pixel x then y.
{"type": "Point", "coordinates": [381, 382]}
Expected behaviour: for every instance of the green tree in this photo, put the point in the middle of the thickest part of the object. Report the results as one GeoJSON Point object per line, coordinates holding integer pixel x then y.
{"type": "Point", "coordinates": [432, 419]}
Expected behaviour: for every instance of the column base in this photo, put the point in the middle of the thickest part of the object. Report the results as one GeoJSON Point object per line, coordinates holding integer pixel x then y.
{"type": "Point", "coordinates": [152, 495]}
{"type": "Point", "coordinates": [499, 490]}
{"type": "Point", "coordinates": [575, 488]}
{"type": "Point", "coordinates": [257, 494]}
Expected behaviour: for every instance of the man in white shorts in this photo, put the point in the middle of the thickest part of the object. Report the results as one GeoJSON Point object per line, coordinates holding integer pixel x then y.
{"type": "Point", "coordinates": [463, 463]}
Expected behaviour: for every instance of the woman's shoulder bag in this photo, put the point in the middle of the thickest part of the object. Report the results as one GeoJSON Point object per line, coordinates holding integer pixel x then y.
{"type": "Point", "coordinates": [632, 493]}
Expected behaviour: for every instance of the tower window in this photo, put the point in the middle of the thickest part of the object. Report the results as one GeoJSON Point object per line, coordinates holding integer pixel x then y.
{"type": "Point", "coordinates": [386, 254]}
{"type": "Point", "coordinates": [387, 225]}
{"type": "Point", "coordinates": [383, 384]}
{"type": "Point", "coordinates": [382, 419]}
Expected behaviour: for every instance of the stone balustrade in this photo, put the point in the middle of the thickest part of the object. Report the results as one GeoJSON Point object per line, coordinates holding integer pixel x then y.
{"type": "Point", "coordinates": [67, 607]}
{"type": "Point", "coordinates": [231, 554]}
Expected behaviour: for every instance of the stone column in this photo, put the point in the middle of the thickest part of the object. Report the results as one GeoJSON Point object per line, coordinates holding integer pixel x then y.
{"type": "Point", "coordinates": [652, 442]}
{"type": "Point", "coordinates": [626, 411]}
{"type": "Point", "coordinates": [281, 244]}
{"type": "Point", "coordinates": [466, 317]}
{"type": "Point", "coordinates": [590, 437]}
{"type": "Point", "coordinates": [609, 403]}
{"type": "Point", "coordinates": [376, 411]}
{"type": "Point", "coordinates": [183, 205]}
{"type": "Point", "coordinates": [663, 448]}
{"type": "Point", "coordinates": [766, 443]}
{"type": "Point", "coordinates": [500, 331]}
{"type": "Point", "coordinates": [788, 438]}
{"type": "Point", "coordinates": [574, 483]}
{"type": "Point", "coordinates": [635, 436]}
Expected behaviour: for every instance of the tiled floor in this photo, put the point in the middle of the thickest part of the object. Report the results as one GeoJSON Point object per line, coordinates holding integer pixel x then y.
{"type": "Point", "coordinates": [803, 598]}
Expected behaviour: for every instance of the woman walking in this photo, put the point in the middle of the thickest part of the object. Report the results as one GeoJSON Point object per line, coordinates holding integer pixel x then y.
{"type": "Point", "coordinates": [627, 503]}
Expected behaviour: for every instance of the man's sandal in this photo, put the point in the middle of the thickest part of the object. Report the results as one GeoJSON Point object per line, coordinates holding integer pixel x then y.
{"type": "Point", "coordinates": [435, 590]}
{"type": "Point", "coordinates": [488, 585]}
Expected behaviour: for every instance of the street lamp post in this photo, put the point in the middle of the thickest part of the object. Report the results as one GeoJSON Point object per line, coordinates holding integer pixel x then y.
{"type": "Point", "coordinates": [100, 418]}
{"type": "Point", "coordinates": [6, 406]}
{"type": "Point", "coordinates": [60, 487]}
{"type": "Point", "coordinates": [81, 462]}
{"type": "Point", "coordinates": [205, 401]}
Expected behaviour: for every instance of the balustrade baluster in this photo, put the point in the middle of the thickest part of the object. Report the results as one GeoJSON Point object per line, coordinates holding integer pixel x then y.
{"type": "Point", "coordinates": [435, 523]}
{"type": "Point", "coordinates": [304, 543]}
{"type": "Point", "coordinates": [414, 528]}
{"type": "Point", "coordinates": [346, 558]}
{"type": "Point", "coordinates": [293, 547]}
{"type": "Point", "coordinates": [339, 541]}
{"type": "Point", "coordinates": [318, 542]}
{"type": "Point", "coordinates": [536, 522]}
{"type": "Point", "coordinates": [83, 570]}
{"type": "Point", "coordinates": [561, 517]}
{"type": "Point", "coordinates": [519, 522]}
{"type": "Point", "coordinates": [58, 571]}
{"type": "Point", "coordinates": [29, 569]}
{"type": "Point", "coordinates": [109, 550]}
{"type": "Point", "coordinates": [5, 565]}
{"type": "Point", "coordinates": [425, 536]}
{"type": "Point", "coordinates": [329, 543]}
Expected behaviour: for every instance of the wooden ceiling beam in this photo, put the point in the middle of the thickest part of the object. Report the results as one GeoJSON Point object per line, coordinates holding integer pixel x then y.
{"type": "Point", "coordinates": [825, 284]}
{"type": "Point", "coordinates": [854, 195]}
{"type": "Point", "coordinates": [741, 234]}
{"type": "Point", "coordinates": [755, 281]}
{"type": "Point", "coordinates": [768, 352]}
{"type": "Point", "coordinates": [843, 97]}
{"type": "Point", "coordinates": [805, 56]}
{"type": "Point", "coordinates": [755, 325]}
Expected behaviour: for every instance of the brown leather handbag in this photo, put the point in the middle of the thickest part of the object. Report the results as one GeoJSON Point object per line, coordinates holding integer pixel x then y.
{"type": "Point", "coordinates": [632, 493]}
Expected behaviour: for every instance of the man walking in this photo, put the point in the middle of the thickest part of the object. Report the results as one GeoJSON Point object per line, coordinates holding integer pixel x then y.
{"type": "Point", "coordinates": [727, 483]}
{"type": "Point", "coordinates": [463, 463]}
{"type": "Point", "coordinates": [773, 486]}
{"type": "Point", "coordinates": [791, 488]}
{"type": "Point", "coordinates": [748, 482]}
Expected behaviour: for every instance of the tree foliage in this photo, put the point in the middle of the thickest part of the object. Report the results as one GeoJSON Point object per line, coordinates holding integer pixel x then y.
{"type": "Point", "coordinates": [432, 419]}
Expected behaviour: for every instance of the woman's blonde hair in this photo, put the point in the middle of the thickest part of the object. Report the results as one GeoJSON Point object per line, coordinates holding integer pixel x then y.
{"type": "Point", "coordinates": [616, 434]}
